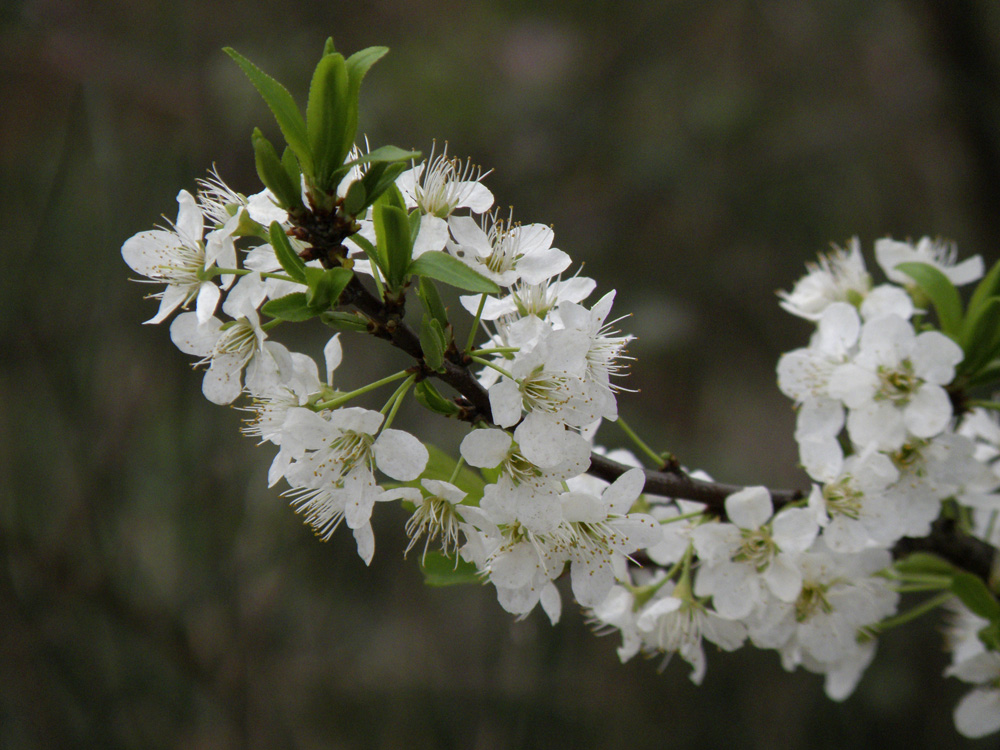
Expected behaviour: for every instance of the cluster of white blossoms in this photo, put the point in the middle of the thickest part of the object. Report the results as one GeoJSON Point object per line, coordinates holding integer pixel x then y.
{"type": "Point", "coordinates": [886, 426]}
{"type": "Point", "coordinates": [887, 451]}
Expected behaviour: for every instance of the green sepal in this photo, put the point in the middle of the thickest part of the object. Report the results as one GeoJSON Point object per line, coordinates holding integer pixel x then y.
{"type": "Point", "coordinates": [328, 46]}
{"type": "Point", "coordinates": [282, 106]}
{"type": "Point", "coordinates": [430, 398]}
{"type": "Point", "coordinates": [975, 595]}
{"type": "Point", "coordinates": [247, 227]}
{"type": "Point", "coordinates": [326, 119]}
{"type": "Point", "coordinates": [433, 342]}
{"type": "Point", "coordinates": [441, 570]}
{"type": "Point", "coordinates": [272, 172]}
{"type": "Point", "coordinates": [392, 234]}
{"type": "Point", "coordinates": [446, 268]}
{"type": "Point", "coordinates": [431, 301]}
{"type": "Point", "coordinates": [287, 257]}
{"type": "Point", "coordinates": [293, 307]}
{"type": "Point", "coordinates": [941, 292]}
{"type": "Point", "coordinates": [923, 564]}
{"type": "Point", "coordinates": [325, 286]}
{"type": "Point", "coordinates": [344, 321]}
{"type": "Point", "coordinates": [371, 251]}
{"type": "Point", "coordinates": [355, 201]}
{"type": "Point", "coordinates": [990, 636]}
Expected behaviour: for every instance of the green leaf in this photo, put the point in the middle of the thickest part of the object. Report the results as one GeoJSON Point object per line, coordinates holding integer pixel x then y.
{"type": "Point", "coordinates": [441, 465]}
{"type": "Point", "coordinates": [328, 48]}
{"type": "Point", "coordinates": [282, 106]}
{"type": "Point", "coordinates": [431, 301]}
{"type": "Point", "coordinates": [380, 177]}
{"type": "Point", "coordinates": [985, 289]}
{"type": "Point", "coordinates": [383, 155]}
{"type": "Point", "coordinates": [922, 564]}
{"type": "Point", "coordinates": [293, 307]}
{"type": "Point", "coordinates": [433, 342]}
{"type": "Point", "coordinates": [981, 336]}
{"type": "Point", "coordinates": [941, 292]}
{"type": "Point", "coordinates": [430, 398]}
{"type": "Point", "coordinates": [325, 286]}
{"type": "Point", "coordinates": [986, 375]}
{"type": "Point", "coordinates": [392, 232]}
{"type": "Point", "coordinates": [345, 321]}
{"type": "Point", "coordinates": [440, 570]}
{"type": "Point", "coordinates": [371, 251]}
{"type": "Point", "coordinates": [272, 172]}
{"type": "Point", "coordinates": [358, 65]}
{"type": "Point", "coordinates": [450, 270]}
{"type": "Point", "coordinates": [287, 257]}
{"type": "Point", "coordinates": [355, 201]}
{"type": "Point", "coordinates": [975, 595]}
{"type": "Point", "coordinates": [326, 119]}
{"type": "Point", "coordinates": [990, 636]}
{"type": "Point", "coordinates": [291, 164]}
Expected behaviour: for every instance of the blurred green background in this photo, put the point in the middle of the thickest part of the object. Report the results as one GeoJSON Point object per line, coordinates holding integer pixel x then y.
{"type": "Point", "coordinates": [155, 594]}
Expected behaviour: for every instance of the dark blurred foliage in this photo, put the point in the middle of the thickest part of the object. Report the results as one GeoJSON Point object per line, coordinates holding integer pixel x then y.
{"type": "Point", "coordinates": [155, 594]}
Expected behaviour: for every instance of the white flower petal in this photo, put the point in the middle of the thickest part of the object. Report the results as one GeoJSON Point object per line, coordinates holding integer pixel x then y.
{"type": "Point", "coordinates": [400, 455]}
{"type": "Point", "coordinates": [750, 508]}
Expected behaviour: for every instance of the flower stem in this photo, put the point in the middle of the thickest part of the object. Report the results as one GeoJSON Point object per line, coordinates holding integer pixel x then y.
{"type": "Point", "coordinates": [496, 350]}
{"type": "Point", "coordinates": [475, 324]}
{"type": "Point", "coordinates": [458, 467]}
{"type": "Point", "coordinates": [657, 459]}
{"type": "Point", "coordinates": [921, 609]}
{"type": "Point", "coordinates": [498, 368]}
{"type": "Point", "coordinates": [343, 398]}
{"type": "Point", "coordinates": [392, 405]}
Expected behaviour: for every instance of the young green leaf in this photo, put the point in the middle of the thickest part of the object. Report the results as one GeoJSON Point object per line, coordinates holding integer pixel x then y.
{"type": "Point", "coordinates": [272, 172]}
{"type": "Point", "coordinates": [981, 336]}
{"type": "Point", "coordinates": [287, 257]}
{"type": "Point", "coordinates": [431, 301]}
{"type": "Point", "coordinates": [924, 564]}
{"type": "Point", "coordinates": [282, 106]}
{"type": "Point", "coordinates": [440, 570]}
{"type": "Point", "coordinates": [379, 177]}
{"type": "Point", "coordinates": [325, 286]}
{"type": "Point", "coordinates": [990, 636]}
{"type": "Point", "coordinates": [355, 201]}
{"type": "Point", "coordinates": [345, 321]}
{"type": "Point", "coordinates": [975, 595]}
{"type": "Point", "coordinates": [450, 270]}
{"type": "Point", "coordinates": [293, 307]}
{"type": "Point", "coordinates": [358, 65]}
{"type": "Point", "coordinates": [392, 232]}
{"type": "Point", "coordinates": [433, 342]}
{"type": "Point", "coordinates": [430, 398]}
{"type": "Point", "coordinates": [987, 288]}
{"type": "Point", "coordinates": [326, 119]}
{"type": "Point", "coordinates": [371, 251]}
{"type": "Point", "coordinates": [941, 292]}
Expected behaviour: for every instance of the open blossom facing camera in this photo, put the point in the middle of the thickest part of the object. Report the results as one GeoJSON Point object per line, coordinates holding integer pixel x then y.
{"type": "Point", "coordinates": [896, 423]}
